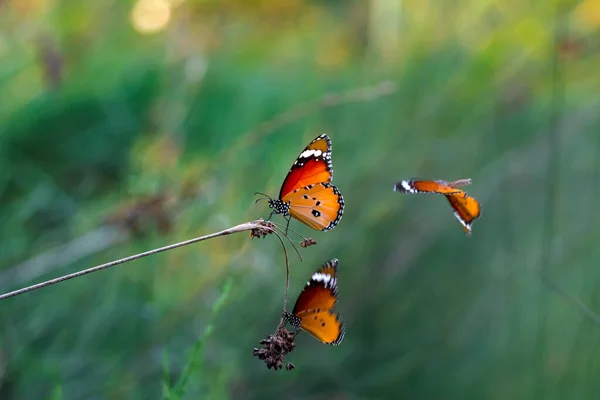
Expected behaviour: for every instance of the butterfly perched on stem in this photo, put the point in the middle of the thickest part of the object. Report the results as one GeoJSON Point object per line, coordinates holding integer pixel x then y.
{"type": "Point", "coordinates": [466, 209]}
{"type": "Point", "coordinates": [307, 193]}
{"type": "Point", "coordinates": [313, 310]}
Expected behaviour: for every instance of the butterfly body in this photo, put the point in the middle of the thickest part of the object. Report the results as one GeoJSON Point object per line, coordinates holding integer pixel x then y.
{"type": "Point", "coordinates": [465, 208]}
{"type": "Point", "coordinates": [307, 193]}
{"type": "Point", "coordinates": [313, 309]}
{"type": "Point", "coordinates": [279, 207]}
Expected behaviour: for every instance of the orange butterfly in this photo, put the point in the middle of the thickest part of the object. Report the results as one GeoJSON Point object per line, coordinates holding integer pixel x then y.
{"type": "Point", "coordinates": [307, 193]}
{"type": "Point", "coordinates": [313, 310]}
{"type": "Point", "coordinates": [465, 208]}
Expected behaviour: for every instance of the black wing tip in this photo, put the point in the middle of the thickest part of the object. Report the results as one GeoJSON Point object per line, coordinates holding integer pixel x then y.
{"type": "Point", "coordinates": [322, 136]}
{"type": "Point", "coordinates": [403, 185]}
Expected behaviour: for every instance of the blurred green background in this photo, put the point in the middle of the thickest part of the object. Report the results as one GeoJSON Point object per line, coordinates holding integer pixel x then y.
{"type": "Point", "coordinates": [129, 125]}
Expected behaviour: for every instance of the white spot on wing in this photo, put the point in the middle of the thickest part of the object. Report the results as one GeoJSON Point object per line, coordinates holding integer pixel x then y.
{"type": "Point", "coordinates": [319, 277]}
{"type": "Point", "coordinates": [407, 187]}
{"type": "Point", "coordinates": [311, 153]}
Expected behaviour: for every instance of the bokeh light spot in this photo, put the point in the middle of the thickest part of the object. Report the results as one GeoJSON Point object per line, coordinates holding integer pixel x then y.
{"type": "Point", "coordinates": [151, 16]}
{"type": "Point", "coordinates": [588, 12]}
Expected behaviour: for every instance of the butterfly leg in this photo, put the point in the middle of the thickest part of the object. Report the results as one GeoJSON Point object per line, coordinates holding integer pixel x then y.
{"type": "Point", "coordinates": [288, 218]}
{"type": "Point", "coordinates": [297, 332]}
{"type": "Point", "coordinates": [270, 215]}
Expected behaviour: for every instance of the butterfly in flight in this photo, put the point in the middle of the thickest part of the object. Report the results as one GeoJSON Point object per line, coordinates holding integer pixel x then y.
{"type": "Point", "coordinates": [466, 209]}
{"type": "Point", "coordinates": [307, 193]}
{"type": "Point", "coordinates": [313, 310]}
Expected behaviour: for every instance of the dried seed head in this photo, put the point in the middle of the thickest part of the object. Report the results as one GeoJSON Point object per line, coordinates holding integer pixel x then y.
{"type": "Point", "coordinates": [275, 348]}
{"type": "Point", "coordinates": [308, 242]}
{"type": "Point", "coordinates": [262, 231]}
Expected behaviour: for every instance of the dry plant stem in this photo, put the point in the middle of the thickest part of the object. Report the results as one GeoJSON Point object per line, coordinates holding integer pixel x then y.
{"type": "Point", "coordinates": [289, 240]}
{"type": "Point", "coordinates": [287, 271]}
{"type": "Point", "coordinates": [258, 224]}
{"type": "Point", "coordinates": [280, 226]}
{"type": "Point", "coordinates": [90, 243]}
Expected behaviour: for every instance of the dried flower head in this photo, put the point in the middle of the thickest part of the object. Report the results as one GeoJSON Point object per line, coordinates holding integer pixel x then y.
{"type": "Point", "coordinates": [275, 348]}
{"type": "Point", "coordinates": [262, 231]}
{"type": "Point", "coordinates": [308, 242]}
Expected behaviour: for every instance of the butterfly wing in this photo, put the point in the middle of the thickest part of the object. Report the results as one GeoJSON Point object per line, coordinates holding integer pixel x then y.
{"type": "Point", "coordinates": [320, 292]}
{"type": "Point", "coordinates": [325, 326]}
{"type": "Point", "coordinates": [460, 183]}
{"type": "Point", "coordinates": [312, 166]}
{"type": "Point", "coordinates": [428, 186]}
{"type": "Point", "coordinates": [466, 209]}
{"type": "Point", "coordinates": [312, 311]}
{"type": "Point", "coordinates": [319, 205]}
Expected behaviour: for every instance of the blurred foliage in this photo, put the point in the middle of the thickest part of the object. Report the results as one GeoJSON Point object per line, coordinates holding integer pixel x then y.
{"type": "Point", "coordinates": [128, 125]}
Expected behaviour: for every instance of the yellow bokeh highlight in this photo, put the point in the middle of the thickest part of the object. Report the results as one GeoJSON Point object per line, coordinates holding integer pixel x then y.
{"type": "Point", "coordinates": [588, 12]}
{"type": "Point", "coordinates": [28, 8]}
{"type": "Point", "coordinates": [151, 16]}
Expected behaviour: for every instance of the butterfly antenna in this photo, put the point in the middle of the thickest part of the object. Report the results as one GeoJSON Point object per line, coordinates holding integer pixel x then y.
{"type": "Point", "coordinates": [262, 198]}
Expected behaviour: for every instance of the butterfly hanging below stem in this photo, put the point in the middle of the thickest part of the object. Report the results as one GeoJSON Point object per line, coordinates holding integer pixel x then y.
{"type": "Point", "coordinates": [313, 311]}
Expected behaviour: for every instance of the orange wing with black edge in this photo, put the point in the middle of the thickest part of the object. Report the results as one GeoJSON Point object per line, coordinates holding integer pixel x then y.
{"type": "Point", "coordinates": [325, 326]}
{"type": "Point", "coordinates": [313, 309]}
{"type": "Point", "coordinates": [307, 193]}
{"type": "Point", "coordinates": [466, 209]}
{"type": "Point", "coordinates": [319, 206]}
{"type": "Point", "coordinates": [430, 186]}
{"type": "Point", "coordinates": [312, 166]}
{"type": "Point", "coordinates": [320, 292]}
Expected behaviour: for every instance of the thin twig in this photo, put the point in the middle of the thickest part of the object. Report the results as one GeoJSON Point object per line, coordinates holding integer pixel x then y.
{"type": "Point", "coordinates": [83, 246]}
{"type": "Point", "coordinates": [280, 226]}
{"type": "Point", "coordinates": [289, 240]}
{"type": "Point", "coordinates": [105, 236]}
{"type": "Point", "coordinates": [257, 224]}
{"type": "Point", "coordinates": [287, 271]}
